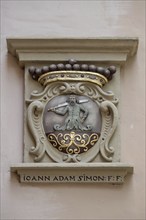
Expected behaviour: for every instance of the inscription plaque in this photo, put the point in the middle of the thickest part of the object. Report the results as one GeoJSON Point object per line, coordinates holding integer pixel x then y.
{"type": "Point", "coordinates": [73, 173]}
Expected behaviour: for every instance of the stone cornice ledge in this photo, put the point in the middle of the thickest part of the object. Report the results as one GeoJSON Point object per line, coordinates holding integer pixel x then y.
{"type": "Point", "coordinates": [115, 49]}
{"type": "Point", "coordinates": [72, 172]}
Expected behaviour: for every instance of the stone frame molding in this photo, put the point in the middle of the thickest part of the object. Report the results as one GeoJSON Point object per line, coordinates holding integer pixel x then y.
{"type": "Point", "coordinates": [105, 51]}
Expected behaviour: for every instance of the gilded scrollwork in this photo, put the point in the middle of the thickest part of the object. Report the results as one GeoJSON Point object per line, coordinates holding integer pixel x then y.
{"type": "Point", "coordinates": [73, 143]}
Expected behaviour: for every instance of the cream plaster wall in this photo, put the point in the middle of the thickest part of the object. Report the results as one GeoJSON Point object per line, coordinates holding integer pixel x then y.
{"type": "Point", "coordinates": [64, 201]}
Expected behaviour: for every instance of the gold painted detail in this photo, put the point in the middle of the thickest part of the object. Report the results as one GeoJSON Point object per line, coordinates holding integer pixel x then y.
{"type": "Point", "coordinates": [73, 143]}
{"type": "Point", "coordinates": [79, 76]}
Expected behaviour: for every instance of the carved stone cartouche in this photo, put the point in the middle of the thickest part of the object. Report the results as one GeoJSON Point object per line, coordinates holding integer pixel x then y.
{"type": "Point", "coordinates": [72, 119]}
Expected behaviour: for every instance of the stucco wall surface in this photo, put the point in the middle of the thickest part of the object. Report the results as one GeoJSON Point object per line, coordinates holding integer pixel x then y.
{"type": "Point", "coordinates": [71, 201]}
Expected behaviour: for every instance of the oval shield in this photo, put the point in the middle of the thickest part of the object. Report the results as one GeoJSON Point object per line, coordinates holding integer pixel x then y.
{"type": "Point", "coordinates": [72, 123]}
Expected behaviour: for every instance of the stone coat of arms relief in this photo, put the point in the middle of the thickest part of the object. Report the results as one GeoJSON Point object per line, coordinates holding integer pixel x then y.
{"type": "Point", "coordinates": [71, 122]}
{"type": "Point", "coordinates": [72, 119]}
